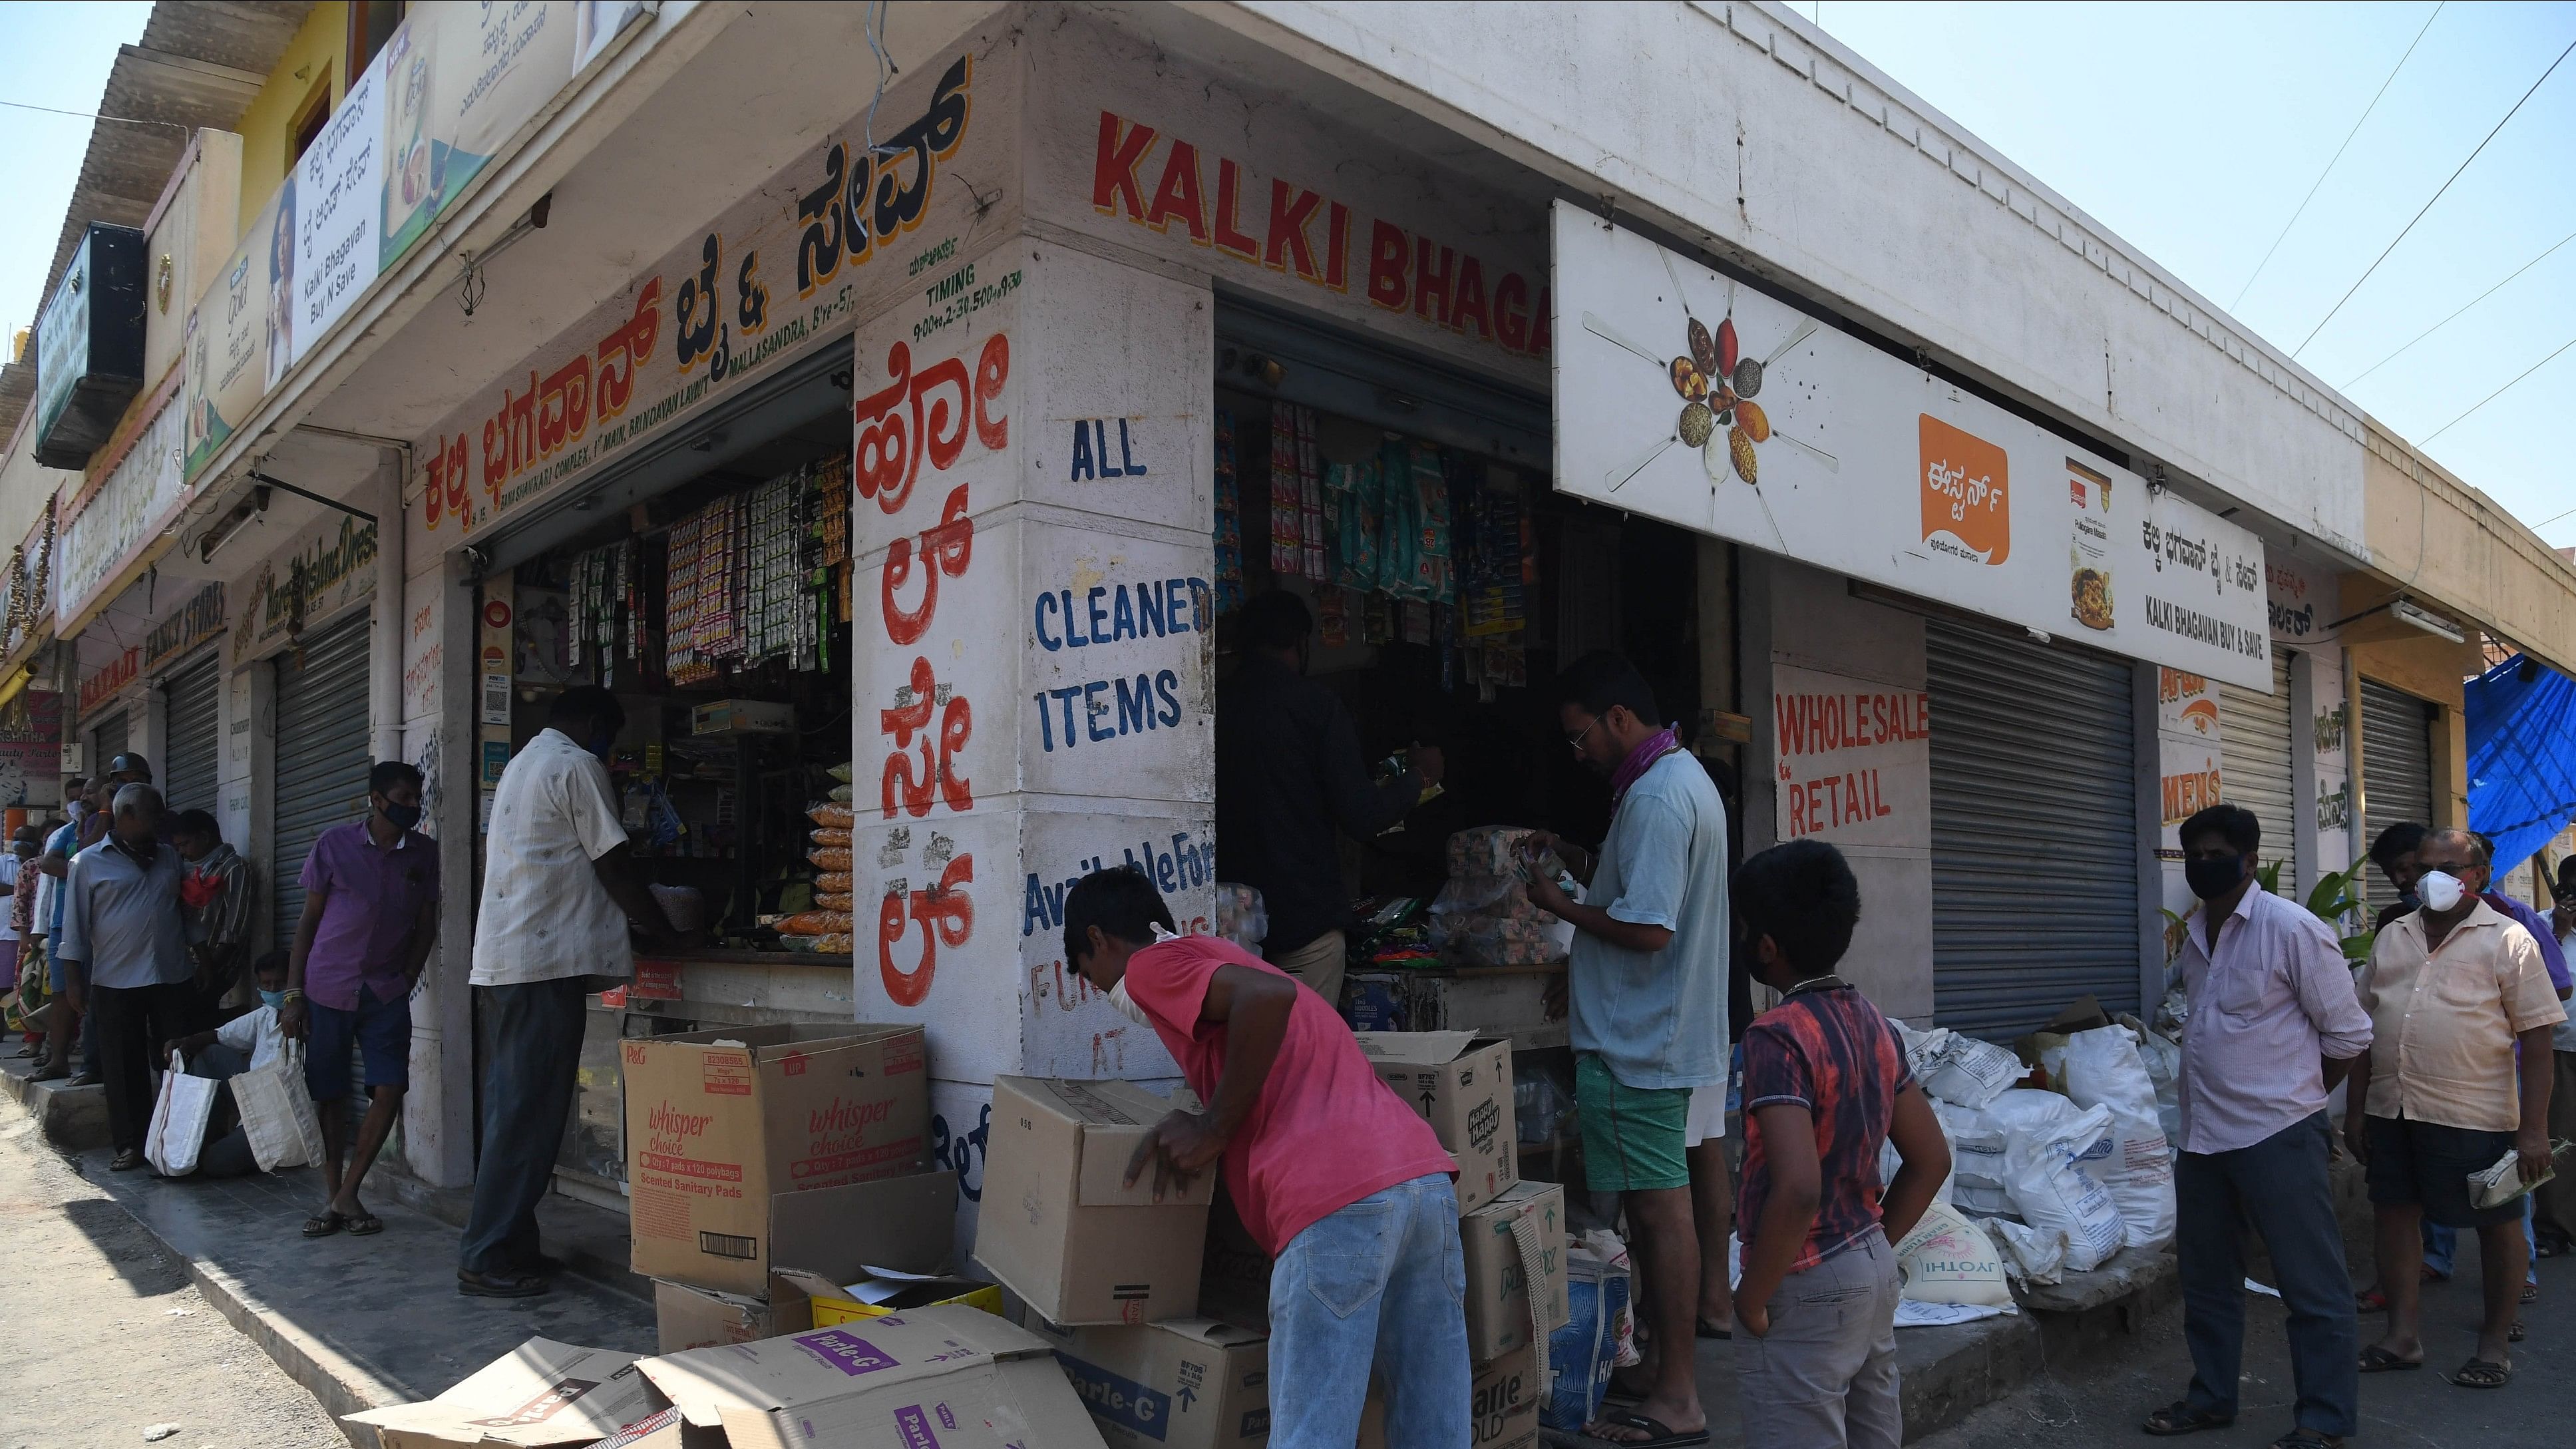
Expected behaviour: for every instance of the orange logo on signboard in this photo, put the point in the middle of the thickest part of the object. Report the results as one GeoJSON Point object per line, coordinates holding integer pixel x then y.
{"type": "Point", "coordinates": [1966, 498]}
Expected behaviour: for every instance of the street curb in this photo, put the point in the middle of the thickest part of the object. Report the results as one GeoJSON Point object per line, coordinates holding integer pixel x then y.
{"type": "Point", "coordinates": [71, 1119]}
{"type": "Point", "coordinates": [341, 1387]}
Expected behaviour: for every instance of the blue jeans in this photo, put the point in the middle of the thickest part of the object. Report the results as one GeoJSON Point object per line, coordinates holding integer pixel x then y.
{"type": "Point", "coordinates": [1381, 1283]}
{"type": "Point", "coordinates": [2442, 1244]}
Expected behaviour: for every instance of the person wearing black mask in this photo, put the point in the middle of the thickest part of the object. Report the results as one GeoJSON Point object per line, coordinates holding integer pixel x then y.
{"type": "Point", "coordinates": [2274, 1025]}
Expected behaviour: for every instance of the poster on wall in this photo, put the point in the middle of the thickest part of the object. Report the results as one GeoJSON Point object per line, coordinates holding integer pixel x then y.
{"type": "Point", "coordinates": [338, 189]}
{"type": "Point", "coordinates": [461, 80]}
{"type": "Point", "coordinates": [31, 744]}
{"type": "Point", "coordinates": [235, 329]}
{"type": "Point", "coordinates": [1854, 759]}
{"type": "Point", "coordinates": [1689, 397]}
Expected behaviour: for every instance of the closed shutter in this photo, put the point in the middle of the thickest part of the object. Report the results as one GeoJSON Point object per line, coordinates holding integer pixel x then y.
{"type": "Point", "coordinates": [2034, 831]}
{"type": "Point", "coordinates": [189, 711]}
{"type": "Point", "coordinates": [321, 756]}
{"type": "Point", "coordinates": [112, 735]}
{"type": "Point", "coordinates": [2396, 768]}
{"type": "Point", "coordinates": [2254, 765]}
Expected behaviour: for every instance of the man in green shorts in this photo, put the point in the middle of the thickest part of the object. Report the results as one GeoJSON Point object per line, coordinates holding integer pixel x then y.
{"type": "Point", "coordinates": [1646, 984]}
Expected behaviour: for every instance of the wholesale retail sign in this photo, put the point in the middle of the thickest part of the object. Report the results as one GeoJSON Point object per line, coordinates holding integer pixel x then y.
{"type": "Point", "coordinates": [1854, 758]}
{"type": "Point", "coordinates": [1685, 396]}
{"type": "Point", "coordinates": [831, 238]}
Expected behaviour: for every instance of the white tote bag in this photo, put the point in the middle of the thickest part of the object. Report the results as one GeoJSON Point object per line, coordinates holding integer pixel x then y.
{"type": "Point", "coordinates": [179, 1115]}
{"type": "Point", "coordinates": [277, 1112]}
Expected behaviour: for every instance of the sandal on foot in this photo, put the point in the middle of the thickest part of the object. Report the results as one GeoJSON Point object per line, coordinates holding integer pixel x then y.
{"type": "Point", "coordinates": [498, 1285]}
{"type": "Point", "coordinates": [2377, 1360]}
{"type": "Point", "coordinates": [1664, 1437]}
{"type": "Point", "coordinates": [2530, 1292]}
{"type": "Point", "coordinates": [2482, 1373]}
{"type": "Point", "coordinates": [2513, 1334]}
{"type": "Point", "coordinates": [324, 1223]}
{"type": "Point", "coordinates": [2307, 1439]}
{"type": "Point", "coordinates": [2373, 1301]}
{"type": "Point", "coordinates": [1711, 1330]}
{"type": "Point", "coordinates": [364, 1224]}
{"type": "Point", "coordinates": [2179, 1417]}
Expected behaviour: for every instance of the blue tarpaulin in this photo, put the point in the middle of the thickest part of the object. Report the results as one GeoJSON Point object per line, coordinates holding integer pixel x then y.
{"type": "Point", "coordinates": [2522, 758]}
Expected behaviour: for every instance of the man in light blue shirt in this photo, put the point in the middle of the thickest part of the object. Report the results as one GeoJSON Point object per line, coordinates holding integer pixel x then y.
{"type": "Point", "coordinates": [1646, 982]}
{"type": "Point", "coordinates": [125, 958]}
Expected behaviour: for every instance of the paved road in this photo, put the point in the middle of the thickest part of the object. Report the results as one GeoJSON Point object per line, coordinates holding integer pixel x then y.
{"type": "Point", "coordinates": [2101, 1403]}
{"type": "Point", "coordinates": [106, 1337]}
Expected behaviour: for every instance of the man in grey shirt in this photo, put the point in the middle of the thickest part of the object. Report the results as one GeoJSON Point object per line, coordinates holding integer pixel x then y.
{"type": "Point", "coordinates": [125, 958]}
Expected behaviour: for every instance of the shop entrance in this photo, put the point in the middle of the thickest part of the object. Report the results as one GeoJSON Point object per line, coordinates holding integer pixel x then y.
{"type": "Point", "coordinates": [189, 726]}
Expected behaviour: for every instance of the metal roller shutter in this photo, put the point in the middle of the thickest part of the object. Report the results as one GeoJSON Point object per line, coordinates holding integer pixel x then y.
{"type": "Point", "coordinates": [189, 712]}
{"type": "Point", "coordinates": [2254, 765]}
{"type": "Point", "coordinates": [2396, 768]}
{"type": "Point", "coordinates": [112, 735]}
{"type": "Point", "coordinates": [2034, 831]}
{"type": "Point", "coordinates": [321, 755]}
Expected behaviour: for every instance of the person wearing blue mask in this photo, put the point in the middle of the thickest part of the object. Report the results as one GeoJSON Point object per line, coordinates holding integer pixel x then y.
{"type": "Point", "coordinates": [250, 1038]}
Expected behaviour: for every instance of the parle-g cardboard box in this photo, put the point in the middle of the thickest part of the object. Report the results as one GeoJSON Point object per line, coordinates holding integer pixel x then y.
{"type": "Point", "coordinates": [1184, 1383]}
{"type": "Point", "coordinates": [1461, 1083]}
{"type": "Point", "coordinates": [541, 1393]}
{"type": "Point", "coordinates": [1060, 1227]}
{"type": "Point", "coordinates": [1515, 1249]}
{"type": "Point", "coordinates": [721, 1125]}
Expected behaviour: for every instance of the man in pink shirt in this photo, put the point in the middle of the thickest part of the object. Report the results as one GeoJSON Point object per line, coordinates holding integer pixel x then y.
{"type": "Point", "coordinates": [1340, 1181]}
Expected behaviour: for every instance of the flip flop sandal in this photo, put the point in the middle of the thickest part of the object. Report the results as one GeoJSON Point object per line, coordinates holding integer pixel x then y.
{"type": "Point", "coordinates": [2479, 1373]}
{"type": "Point", "coordinates": [2513, 1334]}
{"type": "Point", "coordinates": [324, 1223]}
{"type": "Point", "coordinates": [365, 1225]}
{"type": "Point", "coordinates": [2377, 1360]}
{"type": "Point", "coordinates": [2179, 1417]}
{"type": "Point", "coordinates": [2530, 1292]}
{"type": "Point", "coordinates": [1664, 1437]}
{"type": "Point", "coordinates": [1711, 1330]}
{"type": "Point", "coordinates": [2373, 1301]}
{"type": "Point", "coordinates": [2307, 1439]}
{"type": "Point", "coordinates": [2429, 1274]}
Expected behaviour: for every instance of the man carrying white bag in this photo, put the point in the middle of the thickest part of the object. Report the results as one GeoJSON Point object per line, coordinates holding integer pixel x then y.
{"type": "Point", "coordinates": [270, 1121]}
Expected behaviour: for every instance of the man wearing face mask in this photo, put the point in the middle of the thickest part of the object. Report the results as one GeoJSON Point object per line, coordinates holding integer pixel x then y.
{"type": "Point", "coordinates": [2458, 1075]}
{"type": "Point", "coordinates": [370, 917]}
{"type": "Point", "coordinates": [245, 1040]}
{"type": "Point", "coordinates": [2274, 1025]}
{"type": "Point", "coordinates": [559, 888]}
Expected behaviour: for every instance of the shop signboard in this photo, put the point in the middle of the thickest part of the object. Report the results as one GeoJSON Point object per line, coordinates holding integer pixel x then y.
{"type": "Point", "coordinates": [2187, 752]}
{"type": "Point", "coordinates": [327, 568]}
{"type": "Point", "coordinates": [198, 620]}
{"type": "Point", "coordinates": [338, 188]}
{"type": "Point", "coordinates": [1688, 397]}
{"type": "Point", "coordinates": [233, 349]}
{"type": "Point", "coordinates": [89, 346]}
{"type": "Point", "coordinates": [138, 499]}
{"type": "Point", "coordinates": [108, 680]}
{"type": "Point", "coordinates": [31, 742]}
{"type": "Point", "coordinates": [1854, 760]}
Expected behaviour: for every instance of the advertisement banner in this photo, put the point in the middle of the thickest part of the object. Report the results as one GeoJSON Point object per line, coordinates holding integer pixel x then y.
{"type": "Point", "coordinates": [339, 188]}
{"type": "Point", "coordinates": [234, 347]}
{"type": "Point", "coordinates": [129, 509]}
{"type": "Point", "coordinates": [1688, 397]}
{"type": "Point", "coordinates": [31, 742]}
{"type": "Point", "coordinates": [326, 569]}
{"type": "Point", "coordinates": [461, 80]}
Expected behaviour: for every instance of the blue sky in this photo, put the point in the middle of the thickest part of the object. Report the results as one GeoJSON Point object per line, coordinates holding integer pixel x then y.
{"type": "Point", "coordinates": [2193, 130]}
{"type": "Point", "coordinates": [59, 56]}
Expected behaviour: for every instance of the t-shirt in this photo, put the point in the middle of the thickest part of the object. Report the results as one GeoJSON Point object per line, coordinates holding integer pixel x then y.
{"type": "Point", "coordinates": [545, 915]}
{"type": "Point", "coordinates": [65, 842]}
{"type": "Point", "coordinates": [9, 866]}
{"type": "Point", "coordinates": [1833, 1053]}
{"type": "Point", "coordinates": [1657, 1019]}
{"type": "Point", "coordinates": [1324, 1133]}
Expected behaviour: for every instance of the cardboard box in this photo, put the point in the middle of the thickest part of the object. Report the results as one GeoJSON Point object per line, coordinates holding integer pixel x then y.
{"type": "Point", "coordinates": [1186, 1383]}
{"type": "Point", "coordinates": [685, 1318]}
{"type": "Point", "coordinates": [875, 1295]}
{"type": "Point", "coordinates": [1462, 1084]}
{"type": "Point", "coordinates": [1060, 1229]}
{"type": "Point", "coordinates": [1514, 1244]}
{"type": "Point", "coordinates": [953, 1377]}
{"type": "Point", "coordinates": [819, 1241]}
{"type": "Point", "coordinates": [1234, 1271]}
{"type": "Point", "coordinates": [1503, 1399]}
{"type": "Point", "coordinates": [543, 1393]}
{"type": "Point", "coordinates": [715, 1132]}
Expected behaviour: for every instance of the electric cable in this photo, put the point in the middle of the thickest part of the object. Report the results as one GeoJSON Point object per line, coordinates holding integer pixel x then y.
{"type": "Point", "coordinates": [94, 116]}
{"type": "Point", "coordinates": [2447, 321]}
{"type": "Point", "coordinates": [2499, 392]}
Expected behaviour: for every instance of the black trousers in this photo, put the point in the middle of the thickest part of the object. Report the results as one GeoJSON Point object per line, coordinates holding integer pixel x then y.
{"type": "Point", "coordinates": [531, 1060]}
{"type": "Point", "coordinates": [2280, 1186]}
{"type": "Point", "coordinates": [133, 1021]}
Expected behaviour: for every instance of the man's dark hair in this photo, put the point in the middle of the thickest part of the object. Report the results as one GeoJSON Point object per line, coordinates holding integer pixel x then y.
{"type": "Point", "coordinates": [1121, 901]}
{"type": "Point", "coordinates": [1804, 897]}
{"type": "Point", "coordinates": [193, 823]}
{"type": "Point", "coordinates": [586, 704]}
{"type": "Point", "coordinates": [75, 784]}
{"type": "Point", "coordinates": [2476, 843]}
{"type": "Point", "coordinates": [2398, 839]}
{"type": "Point", "coordinates": [1277, 620]}
{"type": "Point", "coordinates": [2232, 823]}
{"type": "Point", "coordinates": [1601, 679]}
{"type": "Point", "coordinates": [388, 773]}
{"type": "Point", "coordinates": [2567, 873]}
{"type": "Point", "coordinates": [269, 961]}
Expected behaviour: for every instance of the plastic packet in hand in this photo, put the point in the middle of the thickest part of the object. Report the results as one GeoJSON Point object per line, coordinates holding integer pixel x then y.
{"type": "Point", "coordinates": [2496, 1185]}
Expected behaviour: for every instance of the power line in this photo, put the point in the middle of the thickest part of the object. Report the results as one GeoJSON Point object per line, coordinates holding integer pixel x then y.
{"type": "Point", "coordinates": [2499, 392]}
{"type": "Point", "coordinates": [2338, 156]}
{"type": "Point", "coordinates": [2428, 206]}
{"type": "Point", "coordinates": [2447, 321]}
{"type": "Point", "coordinates": [92, 115]}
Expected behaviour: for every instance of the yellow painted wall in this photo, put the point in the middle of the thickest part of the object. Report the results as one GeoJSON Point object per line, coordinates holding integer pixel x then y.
{"type": "Point", "coordinates": [2461, 554]}
{"type": "Point", "coordinates": [319, 49]}
{"type": "Point", "coordinates": [2425, 665]}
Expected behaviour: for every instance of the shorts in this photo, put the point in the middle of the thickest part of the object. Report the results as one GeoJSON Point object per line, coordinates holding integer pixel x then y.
{"type": "Point", "coordinates": [1632, 1136]}
{"type": "Point", "coordinates": [1706, 1121]}
{"type": "Point", "coordinates": [381, 1031]}
{"type": "Point", "coordinates": [2428, 1164]}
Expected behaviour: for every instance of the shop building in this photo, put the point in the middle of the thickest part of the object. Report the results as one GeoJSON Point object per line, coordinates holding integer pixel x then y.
{"type": "Point", "coordinates": [937, 471]}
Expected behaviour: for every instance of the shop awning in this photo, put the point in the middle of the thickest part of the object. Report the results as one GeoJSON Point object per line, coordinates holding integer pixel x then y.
{"type": "Point", "coordinates": [2522, 756]}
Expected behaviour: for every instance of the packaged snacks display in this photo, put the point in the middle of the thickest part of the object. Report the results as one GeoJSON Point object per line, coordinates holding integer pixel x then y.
{"type": "Point", "coordinates": [831, 901]}
{"type": "Point", "coordinates": [815, 923]}
{"type": "Point", "coordinates": [830, 860]}
{"type": "Point", "coordinates": [836, 881]}
{"type": "Point", "coordinates": [826, 836]}
{"type": "Point", "coordinates": [834, 815]}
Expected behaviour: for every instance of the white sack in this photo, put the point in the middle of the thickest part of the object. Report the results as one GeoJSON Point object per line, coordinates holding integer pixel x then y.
{"type": "Point", "coordinates": [2053, 1194]}
{"type": "Point", "coordinates": [2103, 1069]}
{"type": "Point", "coordinates": [2029, 1255]}
{"type": "Point", "coordinates": [1948, 1259]}
{"type": "Point", "coordinates": [1970, 1072]}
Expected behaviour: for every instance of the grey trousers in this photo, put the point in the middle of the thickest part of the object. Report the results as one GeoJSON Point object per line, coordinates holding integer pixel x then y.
{"type": "Point", "coordinates": [1825, 1376]}
{"type": "Point", "coordinates": [1318, 963]}
{"type": "Point", "coordinates": [2279, 1185]}
{"type": "Point", "coordinates": [531, 1036]}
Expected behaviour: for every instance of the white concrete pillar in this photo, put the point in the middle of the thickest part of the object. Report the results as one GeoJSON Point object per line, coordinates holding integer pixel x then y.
{"type": "Point", "coordinates": [436, 609]}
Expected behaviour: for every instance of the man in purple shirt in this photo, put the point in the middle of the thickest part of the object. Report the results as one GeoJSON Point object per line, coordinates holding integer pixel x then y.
{"type": "Point", "coordinates": [370, 915]}
{"type": "Point", "coordinates": [2274, 1024]}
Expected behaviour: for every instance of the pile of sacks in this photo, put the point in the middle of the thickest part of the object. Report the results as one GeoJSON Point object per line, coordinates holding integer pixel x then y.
{"type": "Point", "coordinates": [1483, 916]}
{"type": "Point", "coordinates": [2059, 1181]}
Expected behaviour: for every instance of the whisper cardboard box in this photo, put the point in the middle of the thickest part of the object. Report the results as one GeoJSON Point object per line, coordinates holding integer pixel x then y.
{"type": "Point", "coordinates": [952, 1377]}
{"type": "Point", "coordinates": [1515, 1249]}
{"type": "Point", "coordinates": [720, 1123]}
{"type": "Point", "coordinates": [1184, 1383]}
{"type": "Point", "coordinates": [817, 1242]}
{"type": "Point", "coordinates": [1462, 1084]}
{"type": "Point", "coordinates": [1058, 1225]}
{"type": "Point", "coordinates": [542, 1393]}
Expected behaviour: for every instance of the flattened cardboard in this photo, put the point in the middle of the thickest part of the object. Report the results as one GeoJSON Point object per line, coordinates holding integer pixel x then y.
{"type": "Point", "coordinates": [1186, 1383]}
{"type": "Point", "coordinates": [1461, 1083]}
{"type": "Point", "coordinates": [715, 1132]}
{"type": "Point", "coordinates": [1500, 1271]}
{"type": "Point", "coordinates": [541, 1393]}
{"type": "Point", "coordinates": [954, 1377]}
{"type": "Point", "coordinates": [1059, 1229]}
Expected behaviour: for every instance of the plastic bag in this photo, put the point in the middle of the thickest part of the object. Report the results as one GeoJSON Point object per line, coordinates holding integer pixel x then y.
{"type": "Point", "coordinates": [2029, 1255]}
{"type": "Point", "coordinates": [1241, 915]}
{"type": "Point", "coordinates": [2103, 1069]}
{"type": "Point", "coordinates": [1976, 1182]}
{"type": "Point", "coordinates": [829, 814]}
{"type": "Point", "coordinates": [840, 772]}
{"type": "Point", "coordinates": [832, 901]}
{"type": "Point", "coordinates": [2053, 1194]}
{"type": "Point", "coordinates": [2163, 1057]}
{"type": "Point", "coordinates": [830, 860]}
{"type": "Point", "coordinates": [1970, 1072]}
{"type": "Point", "coordinates": [179, 1115]}
{"type": "Point", "coordinates": [277, 1113]}
{"type": "Point", "coordinates": [816, 923]}
{"type": "Point", "coordinates": [837, 881]}
{"type": "Point", "coordinates": [1948, 1259]}
{"type": "Point", "coordinates": [1597, 1327]}
{"type": "Point", "coordinates": [828, 835]}
{"type": "Point", "coordinates": [1499, 939]}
